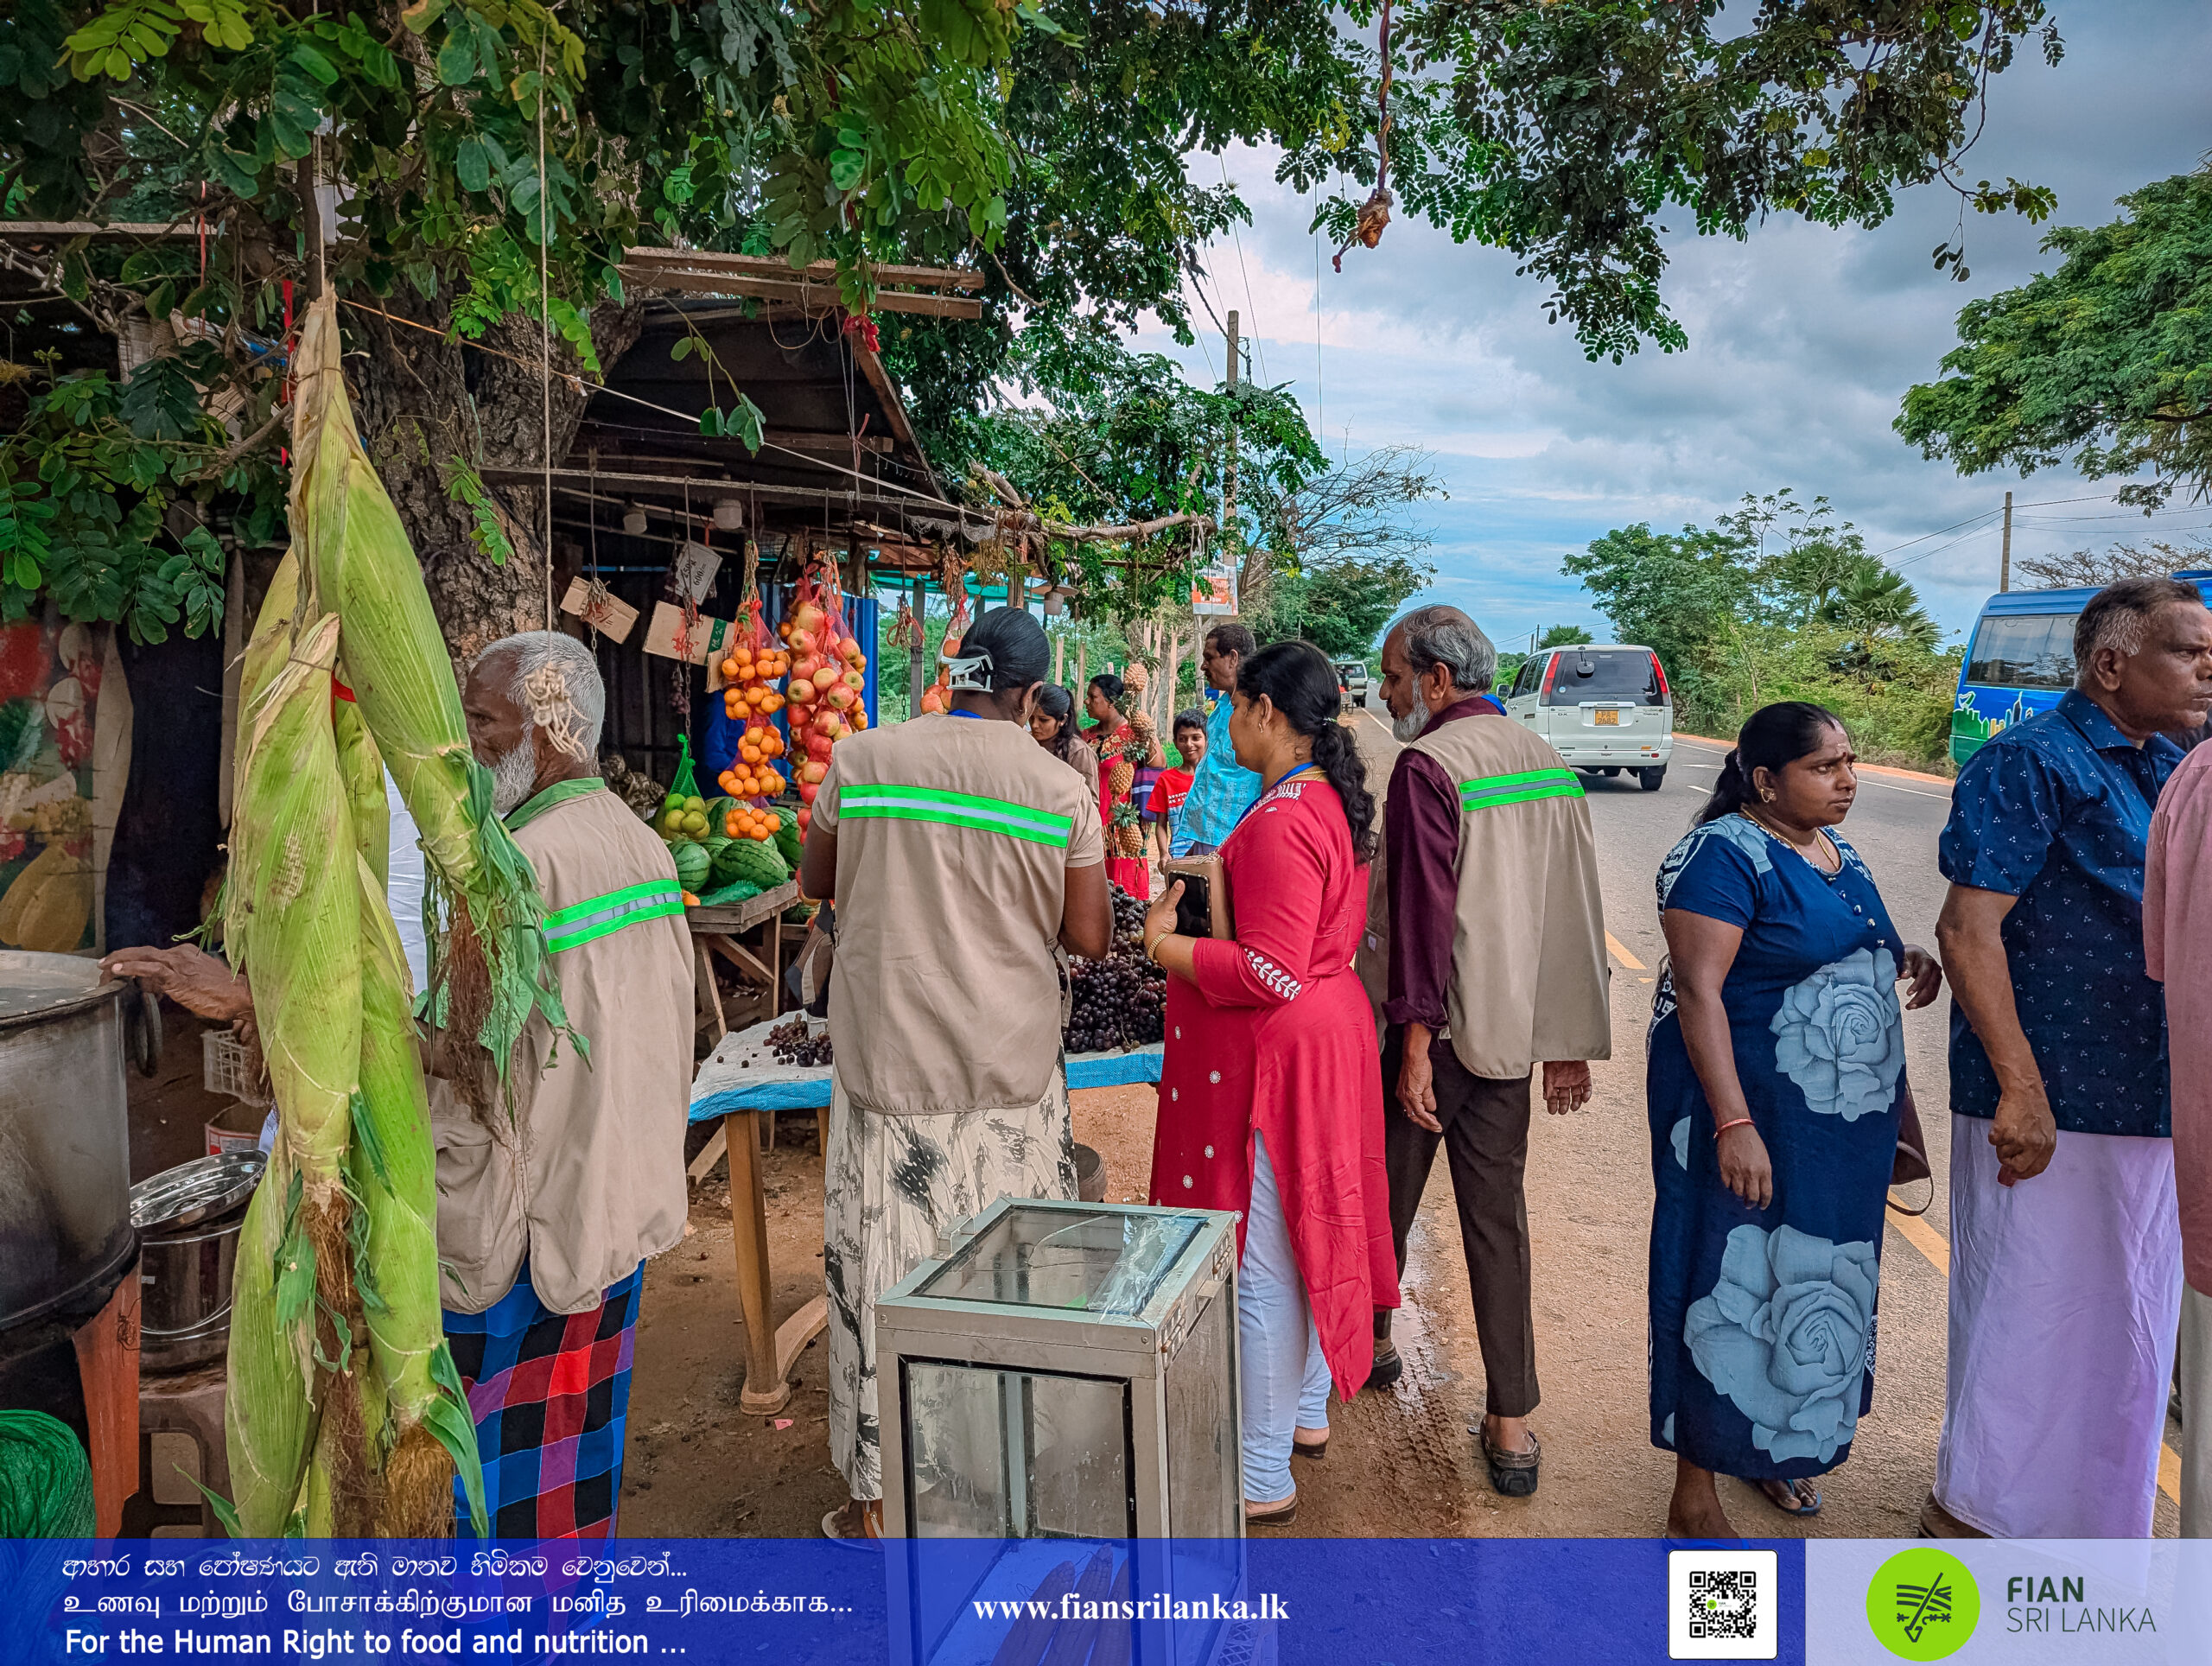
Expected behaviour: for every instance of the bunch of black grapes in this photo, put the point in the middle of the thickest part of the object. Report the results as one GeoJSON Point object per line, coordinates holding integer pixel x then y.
{"type": "Point", "coordinates": [794, 1045]}
{"type": "Point", "coordinates": [1120, 1002]}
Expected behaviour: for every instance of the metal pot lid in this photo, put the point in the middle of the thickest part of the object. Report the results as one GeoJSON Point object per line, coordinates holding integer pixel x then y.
{"type": "Point", "coordinates": [194, 1192]}
{"type": "Point", "coordinates": [32, 983]}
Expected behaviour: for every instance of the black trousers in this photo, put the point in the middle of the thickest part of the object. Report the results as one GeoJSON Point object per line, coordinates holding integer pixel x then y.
{"type": "Point", "coordinates": [1485, 1138]}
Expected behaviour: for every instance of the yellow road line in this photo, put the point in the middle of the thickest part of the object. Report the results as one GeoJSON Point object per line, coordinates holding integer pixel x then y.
{"type": "Point", "coordinates": [1931, 1244]}
{"type": "Point", "coordinates": [1622, 955]}
{"type": "Point", "coordinates": [1925, 1238]}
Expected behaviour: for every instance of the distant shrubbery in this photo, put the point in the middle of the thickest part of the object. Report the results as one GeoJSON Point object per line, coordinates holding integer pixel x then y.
{"type": "Point", "coordinates": [1780, 601]}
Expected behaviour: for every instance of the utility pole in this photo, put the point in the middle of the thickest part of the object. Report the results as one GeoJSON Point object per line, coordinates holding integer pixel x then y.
{"type": "Point", "coordinates": [2005, 560]}
{"type": "Point", "coordinates": [1228, 476]}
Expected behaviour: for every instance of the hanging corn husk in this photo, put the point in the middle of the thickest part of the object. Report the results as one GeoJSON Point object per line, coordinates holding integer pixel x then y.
{"type": "Point", "coordinates": [360, 564]}
{"type": "Point", "coordinates": [345, 1414]}
{"type": "Point", "coordinates": [292, 925]}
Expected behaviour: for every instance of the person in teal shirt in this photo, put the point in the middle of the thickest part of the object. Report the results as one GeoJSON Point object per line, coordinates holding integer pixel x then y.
{"type": "Point", "coordinates": [1221, 791]}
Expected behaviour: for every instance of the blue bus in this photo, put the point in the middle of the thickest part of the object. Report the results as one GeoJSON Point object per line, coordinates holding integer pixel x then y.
{"type": "Point", "coordinates": [2020, 659]}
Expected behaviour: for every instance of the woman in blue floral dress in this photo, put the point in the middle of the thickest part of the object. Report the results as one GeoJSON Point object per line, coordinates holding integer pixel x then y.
{"type": "Point", "coordinates": [1776, 1076]}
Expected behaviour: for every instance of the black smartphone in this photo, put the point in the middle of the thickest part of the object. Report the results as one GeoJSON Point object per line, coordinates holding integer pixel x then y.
{"type": "Point", "coordinates": [1194, 908]}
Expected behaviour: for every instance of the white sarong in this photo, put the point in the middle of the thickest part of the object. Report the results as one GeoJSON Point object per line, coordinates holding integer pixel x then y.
{"type": "Point", "coordinates": [890, 1185]}
{"type": "Point", "coordinates": [2065, 1295]}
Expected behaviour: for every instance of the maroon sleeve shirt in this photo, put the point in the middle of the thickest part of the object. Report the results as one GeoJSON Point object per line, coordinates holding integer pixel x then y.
{"type": "Point", "coordinates": [1420, 833]}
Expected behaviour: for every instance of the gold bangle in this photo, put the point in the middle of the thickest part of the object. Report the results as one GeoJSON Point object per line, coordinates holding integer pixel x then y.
{"type": "Point", "coordinates": [1152, 949]}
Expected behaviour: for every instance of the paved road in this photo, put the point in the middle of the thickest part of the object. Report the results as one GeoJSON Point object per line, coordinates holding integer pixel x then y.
{"type": "Point", "coordinates": [1589, 1191]}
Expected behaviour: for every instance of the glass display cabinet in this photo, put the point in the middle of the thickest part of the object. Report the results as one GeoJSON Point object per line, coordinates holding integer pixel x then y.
{"type": "Point", "coordinates": [1063, 1372]}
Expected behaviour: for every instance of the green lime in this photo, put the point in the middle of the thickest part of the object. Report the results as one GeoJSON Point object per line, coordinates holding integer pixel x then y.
{"type": "Point", "coordinates": [1923, 1604]}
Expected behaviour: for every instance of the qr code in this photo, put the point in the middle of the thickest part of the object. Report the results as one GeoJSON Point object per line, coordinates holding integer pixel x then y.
{"type": "Point", "coordinates": [1724, 1603]}
{"type": "Point", "coordinates": [1721, 1605]}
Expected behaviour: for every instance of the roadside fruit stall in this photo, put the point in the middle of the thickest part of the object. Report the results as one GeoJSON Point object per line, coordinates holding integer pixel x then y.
{"type": "Point", "coordinates": [1111, 1038]}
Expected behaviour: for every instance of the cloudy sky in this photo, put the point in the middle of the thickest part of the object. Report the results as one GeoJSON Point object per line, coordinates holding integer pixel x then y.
{"type": "Point", "coordinates": [1802, 341]}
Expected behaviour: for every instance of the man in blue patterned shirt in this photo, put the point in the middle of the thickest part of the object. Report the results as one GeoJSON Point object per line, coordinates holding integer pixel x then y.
{"type": "Point", "coordinates": [1221, 791]}
{"type": "Point", "coordinates": [2065, 1288]}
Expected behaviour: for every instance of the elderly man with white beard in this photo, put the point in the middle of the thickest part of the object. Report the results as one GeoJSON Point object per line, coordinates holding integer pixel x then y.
{"type": "Point", "coordinates": [552, 1193]}
{"type": "Point", "coordinates": [1488, 918]}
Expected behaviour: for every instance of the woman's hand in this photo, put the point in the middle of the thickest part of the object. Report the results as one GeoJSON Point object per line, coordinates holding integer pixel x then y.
{"type": "Point", "coordinates": [1922, 975]}
{"type": "Point", "coordinates": [1745, 1169]}
{"type": "Point", "coordinates": [1160, 919]}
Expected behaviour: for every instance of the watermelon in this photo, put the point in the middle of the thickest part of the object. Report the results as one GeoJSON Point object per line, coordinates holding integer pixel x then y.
{"type": "Point", "coordinates": [692, 864]}
{"type": "Point", "coordinates": [787, 835]}
{"type": "Point", "coordinates": [724, 854]}
{"type": "Point", "coordinates": [757, 862]}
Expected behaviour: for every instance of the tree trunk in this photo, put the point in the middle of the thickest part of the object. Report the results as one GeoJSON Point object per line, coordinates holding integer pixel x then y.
{"type": "Point", "coordinates": [418, 417]}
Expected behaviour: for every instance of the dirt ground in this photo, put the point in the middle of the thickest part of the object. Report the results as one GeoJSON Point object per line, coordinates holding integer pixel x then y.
{"type": "Point", "coordinates": [1398, 1464]}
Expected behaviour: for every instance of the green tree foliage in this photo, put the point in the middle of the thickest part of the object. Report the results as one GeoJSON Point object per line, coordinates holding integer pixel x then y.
{"type": "Point", "coordinates": [490, 160]}
{"type": "Point", "coordinates": [1779, 601]}
{"type": "Point", "coordinates": [1127, 440]}
{"type": "Point", "coordinates": [1570, 131]}
{"type": "Point", "coordinates": [1552, 636]}
{"type": "Point", "coordinates": [2106, 362]}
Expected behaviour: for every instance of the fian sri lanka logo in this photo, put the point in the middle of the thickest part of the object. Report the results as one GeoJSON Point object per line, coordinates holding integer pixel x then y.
{"type": "Point", "coordinates": [1923, 1604]}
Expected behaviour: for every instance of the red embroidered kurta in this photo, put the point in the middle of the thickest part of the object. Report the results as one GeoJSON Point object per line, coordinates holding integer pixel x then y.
{"type": "Point", "coordinates": [1277, 1036]}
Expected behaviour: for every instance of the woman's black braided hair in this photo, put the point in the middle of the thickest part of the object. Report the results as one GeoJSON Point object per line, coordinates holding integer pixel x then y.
{"type": "Point", "coordinates": [1298, 678]}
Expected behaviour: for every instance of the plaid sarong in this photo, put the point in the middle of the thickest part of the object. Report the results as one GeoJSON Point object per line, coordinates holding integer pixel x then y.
{"type": "Point", "coordinates": [550, 1395]}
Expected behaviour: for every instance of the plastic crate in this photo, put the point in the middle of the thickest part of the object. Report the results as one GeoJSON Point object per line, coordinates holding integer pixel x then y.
{"type": "Point", "coordinates": [226, 1066]}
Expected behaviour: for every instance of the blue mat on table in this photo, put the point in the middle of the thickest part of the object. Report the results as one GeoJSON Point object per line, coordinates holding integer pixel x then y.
{"type": "Point", "coordinates": [811, 1091]}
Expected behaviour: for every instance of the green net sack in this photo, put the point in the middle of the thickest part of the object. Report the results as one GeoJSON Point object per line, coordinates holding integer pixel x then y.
{"type": "Point", "coordinates": [46, 1479]}
{"type": "Point", "coordinates": [686, 784]}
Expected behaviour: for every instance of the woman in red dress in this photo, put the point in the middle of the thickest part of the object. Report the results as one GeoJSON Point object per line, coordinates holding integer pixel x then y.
{"type": "Point", "coordinates": [1111, 736]}
{"type": "Point", "coordinates": [1270, 1093]}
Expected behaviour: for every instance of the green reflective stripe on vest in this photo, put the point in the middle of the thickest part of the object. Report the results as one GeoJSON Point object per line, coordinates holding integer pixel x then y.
{"type": "Point", "coordinates": [879, 802]}
{"type": "Point", "coordinates": [1518, 788]}
{"type": "Point", "coordinates": [585, 922]}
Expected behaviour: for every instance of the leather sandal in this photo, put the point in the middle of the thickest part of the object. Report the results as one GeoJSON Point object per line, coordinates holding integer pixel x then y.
{"type": "Point", "coordinates": [1512, 1473]}
{"type": "Point", "coordinates": [1317, 1450]}
{"type": "Point", "coordinates": [1281, 1515]}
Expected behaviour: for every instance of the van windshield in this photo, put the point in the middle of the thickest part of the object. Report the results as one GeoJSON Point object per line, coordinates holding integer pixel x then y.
{"type": "Point", "coordinates": [1625, 674]}
{"type": "Point", "coordinates": [2023, 650]}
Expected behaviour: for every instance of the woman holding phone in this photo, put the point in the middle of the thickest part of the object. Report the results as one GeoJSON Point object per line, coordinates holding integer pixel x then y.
{"type": "Point", "coordinates": [1774, 1086]}
{"type": "Point", "coordinates": [1270, 1092]}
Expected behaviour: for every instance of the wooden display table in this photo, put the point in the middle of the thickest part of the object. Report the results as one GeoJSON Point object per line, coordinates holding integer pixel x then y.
{"type": "Point", "coordinates": [716, 930]}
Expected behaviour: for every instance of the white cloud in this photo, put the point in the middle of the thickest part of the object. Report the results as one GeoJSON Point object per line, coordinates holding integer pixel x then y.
{"type": "Point", "coordinates": [1802, 341]}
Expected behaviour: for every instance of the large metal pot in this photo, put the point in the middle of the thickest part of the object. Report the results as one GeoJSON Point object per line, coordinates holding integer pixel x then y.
{"type": "Point", "coordinates": [65, 1135]}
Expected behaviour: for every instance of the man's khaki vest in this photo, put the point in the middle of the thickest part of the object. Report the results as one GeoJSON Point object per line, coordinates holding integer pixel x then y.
{"type": "Point", "coordinates": [1529, 971]}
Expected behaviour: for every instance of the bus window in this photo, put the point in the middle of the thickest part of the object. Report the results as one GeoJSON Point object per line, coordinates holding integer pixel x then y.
{"type": "Point", "coordinates": [2023, 650]}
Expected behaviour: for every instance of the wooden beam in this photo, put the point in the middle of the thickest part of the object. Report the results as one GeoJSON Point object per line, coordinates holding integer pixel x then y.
{"type": "Point", "coordinates": [821, 272]}
{"type": "Point", "coordinates": [49, 231]}
{"type": "Point", "coordinates": [769, 280]}
{"type": "Point", "coordinates": [605, 483]}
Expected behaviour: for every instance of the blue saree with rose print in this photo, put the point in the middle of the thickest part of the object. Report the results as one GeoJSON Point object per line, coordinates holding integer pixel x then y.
{"type": "Point", "coordinates": [1763, 1320]}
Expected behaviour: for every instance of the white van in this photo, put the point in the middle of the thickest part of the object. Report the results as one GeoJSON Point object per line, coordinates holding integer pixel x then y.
{"type": "Point", "coordinates": [1605, 707]}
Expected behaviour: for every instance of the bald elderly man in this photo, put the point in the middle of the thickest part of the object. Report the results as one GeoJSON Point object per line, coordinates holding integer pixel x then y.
{"type": "Point", "coordinates": [547, 1214]}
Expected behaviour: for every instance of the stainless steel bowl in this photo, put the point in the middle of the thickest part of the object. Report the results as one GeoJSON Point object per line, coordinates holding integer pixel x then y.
{"type": "Point", "coordinates": [204, 1189]}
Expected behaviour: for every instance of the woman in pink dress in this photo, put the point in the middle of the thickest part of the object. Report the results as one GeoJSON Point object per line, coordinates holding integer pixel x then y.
{"type": "Point", "coordinates": [1270, 1093]}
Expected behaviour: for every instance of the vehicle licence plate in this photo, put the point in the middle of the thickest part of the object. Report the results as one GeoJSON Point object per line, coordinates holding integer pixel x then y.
{"type": "Point", "coordinates": [1606, 717]}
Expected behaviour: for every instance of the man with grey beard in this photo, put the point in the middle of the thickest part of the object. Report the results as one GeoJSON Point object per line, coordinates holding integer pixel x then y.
{"type": "Point", "coordinates": [552, 1193]}
{"type": "Point", "coordinates": [1489, 922]}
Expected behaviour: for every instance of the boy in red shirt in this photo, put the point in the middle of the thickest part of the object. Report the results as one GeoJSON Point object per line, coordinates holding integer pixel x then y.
{"type": "Point", "coordinates": [1158, 815]}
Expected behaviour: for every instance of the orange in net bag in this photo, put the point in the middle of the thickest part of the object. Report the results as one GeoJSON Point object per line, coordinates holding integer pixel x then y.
{"type": "Point", "coordinates": [756, 661]}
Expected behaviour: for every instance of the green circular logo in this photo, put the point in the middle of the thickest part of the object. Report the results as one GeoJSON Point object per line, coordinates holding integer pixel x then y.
{"type": "Point", "coordinates": [1923, 1604]}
